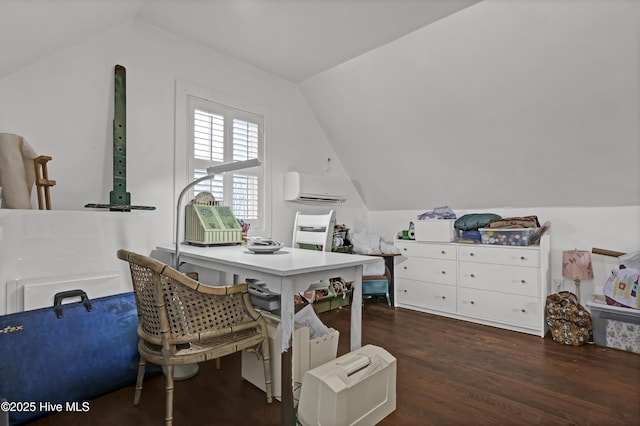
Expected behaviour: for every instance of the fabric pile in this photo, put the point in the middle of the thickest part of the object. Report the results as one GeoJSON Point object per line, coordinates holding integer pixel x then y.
{"type": "Point", "coordinates": [443, 212]}
{"type": "Point", "coordinates": [17, 171]}
{"type": "Point", "coordinates": [621, 289]}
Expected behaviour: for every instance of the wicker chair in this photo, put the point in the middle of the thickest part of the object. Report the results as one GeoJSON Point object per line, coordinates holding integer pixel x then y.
{"type": "Point", "coordinates": [181, 321]}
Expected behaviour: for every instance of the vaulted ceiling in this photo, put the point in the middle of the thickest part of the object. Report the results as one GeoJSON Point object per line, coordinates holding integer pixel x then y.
{"type": "Point", "coordinates": [474, 104]}
{"type": "Point", "coordinates": [292, 39]}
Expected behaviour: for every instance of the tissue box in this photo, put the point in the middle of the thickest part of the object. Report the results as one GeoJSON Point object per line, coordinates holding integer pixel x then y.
{"type": "Point", "coordinates": [307, 354]}
{"type": "Point", "coordinates": [435, 230]}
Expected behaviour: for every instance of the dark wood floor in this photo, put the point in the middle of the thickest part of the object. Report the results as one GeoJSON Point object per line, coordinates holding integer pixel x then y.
{"type": "Point", "coordinates": [449, 373]}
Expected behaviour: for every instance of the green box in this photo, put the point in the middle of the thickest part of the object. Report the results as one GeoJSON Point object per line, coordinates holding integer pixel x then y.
{"type": "Point", "coordinates": [329, 303]}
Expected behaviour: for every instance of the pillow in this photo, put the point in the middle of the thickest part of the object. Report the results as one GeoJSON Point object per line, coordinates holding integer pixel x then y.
{"type": "Point", "coordinates": [365, 243]}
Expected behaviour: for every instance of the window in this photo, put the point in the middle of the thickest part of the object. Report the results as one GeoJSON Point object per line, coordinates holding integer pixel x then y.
{"type": "Point", "coordinates": [220, 134]}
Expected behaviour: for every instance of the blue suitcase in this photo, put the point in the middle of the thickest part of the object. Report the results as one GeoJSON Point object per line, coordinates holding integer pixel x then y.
{"type": "Point", "coordinates": [56, 359]}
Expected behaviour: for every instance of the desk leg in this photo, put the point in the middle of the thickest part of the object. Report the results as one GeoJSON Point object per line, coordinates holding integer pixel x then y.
{"type": "Point", "coordinates": [287, 305]}
{"type": "Point", "coordinates": [356, 310]}
{"type": "Point", "coordinates": [287, 410]}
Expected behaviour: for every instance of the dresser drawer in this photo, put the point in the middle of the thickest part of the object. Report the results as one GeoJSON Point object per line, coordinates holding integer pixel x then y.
{"type": "Point", "coordinates": [425, 269]}
{"type": "Point", "coordinates": [426, 295]}
{"type": "Point", "coordinates": [516, 310]}
{"type": "Point", "coordinates": [500, 255]}
{"type": "Point", "coordinates": [435, 251]}
{"type": "Point", "coordinates": [501, 278]}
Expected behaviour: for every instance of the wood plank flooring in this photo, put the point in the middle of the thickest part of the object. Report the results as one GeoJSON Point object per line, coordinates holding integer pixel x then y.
{"type": "Point", "coordinates": [450, 372]}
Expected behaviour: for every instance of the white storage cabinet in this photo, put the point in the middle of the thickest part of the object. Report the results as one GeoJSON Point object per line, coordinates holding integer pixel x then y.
{"type": "Point", "coordinates": [501, 286]}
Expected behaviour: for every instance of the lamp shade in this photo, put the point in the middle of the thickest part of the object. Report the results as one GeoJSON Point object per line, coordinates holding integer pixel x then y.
{"type": "Point", "coordinates": [576, 264]}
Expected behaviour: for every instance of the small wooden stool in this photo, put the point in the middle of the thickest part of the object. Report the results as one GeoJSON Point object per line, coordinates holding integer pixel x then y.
{"type": "Point", "coordinates": [42, 182]}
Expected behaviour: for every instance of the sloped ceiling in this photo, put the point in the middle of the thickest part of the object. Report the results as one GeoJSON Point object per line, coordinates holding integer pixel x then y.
{"type": "Point", "coordinates": [503, 104]}
{"type": "Point", "coordinates": [521, 103]}
{"type": "Point", "coordinates": [292, 39]}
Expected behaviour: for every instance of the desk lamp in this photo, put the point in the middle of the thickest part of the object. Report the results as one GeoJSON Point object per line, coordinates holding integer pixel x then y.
{"type": "Point", "coordinates": [187, 371]}
{"type": "Point", "coordinates": [576, 264]}
{"type": "Point", "coordinates": [211, 173]}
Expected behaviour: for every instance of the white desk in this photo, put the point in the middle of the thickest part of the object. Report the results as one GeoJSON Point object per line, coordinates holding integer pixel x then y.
{"type": "Point", "coordinates": [287, 272]}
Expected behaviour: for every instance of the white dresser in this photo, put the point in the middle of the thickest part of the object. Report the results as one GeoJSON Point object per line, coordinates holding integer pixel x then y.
{"type": "Point", "coordinates": [501, 286]}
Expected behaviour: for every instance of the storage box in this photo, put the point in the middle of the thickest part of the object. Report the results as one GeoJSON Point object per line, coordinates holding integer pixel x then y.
{"type": "Point", "coordinates": [435, 230]}
{"type": "Point", "coordinates": [358, 388]}
{"type": "Point", "coordinates": [507, 237]}
{"type": "Point", "coordinates": [266, 302]}
{"type": "Point", "coordinates": [307, 354]}
{"type": "Point", "coordinates": [615, 327]}
{"type": "Point", "coordinates": [329, 303]}
{"type": "Point", "coordinates": [263, 298]}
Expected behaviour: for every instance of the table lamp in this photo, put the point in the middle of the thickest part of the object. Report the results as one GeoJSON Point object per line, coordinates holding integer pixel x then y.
{"type": "Point", "coordinates": [211, 173]}
{"type": "Point", "coordinates": [576, 264]}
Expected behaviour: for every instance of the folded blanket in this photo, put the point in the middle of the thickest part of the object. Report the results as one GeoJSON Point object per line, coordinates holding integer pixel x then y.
{"type": "Point", "coordinates": [621, 289]}
{"type": "Point", "coordinates": [516, 222]}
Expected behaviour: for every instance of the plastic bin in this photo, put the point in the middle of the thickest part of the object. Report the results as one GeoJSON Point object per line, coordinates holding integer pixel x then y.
{"type": "Point", "coordinates": [435, 230]}
{"type": "Point", "coordinates": [615, 327]}
{"type": "Point", "coordinates": [507, 237]}
{"type": "Point", "coordinates": [268, 303]}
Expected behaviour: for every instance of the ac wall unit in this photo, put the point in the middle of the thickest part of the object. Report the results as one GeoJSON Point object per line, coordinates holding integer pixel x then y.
{"type": "Point", "coordinates": [303, 187]}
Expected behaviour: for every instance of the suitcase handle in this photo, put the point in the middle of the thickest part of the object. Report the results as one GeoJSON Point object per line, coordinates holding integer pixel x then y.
{"type": "Point", "coordinates": [57, 300]}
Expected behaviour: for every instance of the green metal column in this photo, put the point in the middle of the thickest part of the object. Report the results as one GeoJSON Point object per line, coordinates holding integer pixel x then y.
{"type": "Point", "coordinates": [119, 196]}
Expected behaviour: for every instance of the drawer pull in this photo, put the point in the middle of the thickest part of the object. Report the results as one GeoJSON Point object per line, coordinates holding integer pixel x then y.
{"type": "Point", "coordinates": [472, 302]}
{"type": "Point", "coordinates": [443, 252]}
{"type": "Point", "coordinates": [522, 281]}
{"type": "Point", "coordinates": [523, 310]}
{"type": "Point", "coordinates": [405, 249]}
{"type": "Point", "coordinates": [522, 258]}
{"type": "Point", "coordinates": [405, 267]}
{"type": "Point", "coordinates": [472, 276]}
{"type": "Point", "coordinates": [444, 272]}
{"type": "Point", "coordinates": [471, 254]}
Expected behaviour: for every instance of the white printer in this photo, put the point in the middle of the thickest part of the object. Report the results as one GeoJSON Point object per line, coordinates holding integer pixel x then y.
{"type": "Point", "coordinates": [358, 388]}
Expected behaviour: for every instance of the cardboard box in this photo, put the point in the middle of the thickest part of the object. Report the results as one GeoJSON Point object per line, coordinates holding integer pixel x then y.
{"type": "Point", "coordinates": [435, 230]}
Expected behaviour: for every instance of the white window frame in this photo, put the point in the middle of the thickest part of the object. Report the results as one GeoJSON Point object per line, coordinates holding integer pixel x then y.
{"type": "Point", "coordinates": [189, 96]}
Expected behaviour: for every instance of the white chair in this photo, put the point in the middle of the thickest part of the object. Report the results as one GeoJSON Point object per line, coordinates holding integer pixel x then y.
{"type": "Point", "coordinates": [310, 231]}
{"type": "Point", "coordinates": [314, 231]}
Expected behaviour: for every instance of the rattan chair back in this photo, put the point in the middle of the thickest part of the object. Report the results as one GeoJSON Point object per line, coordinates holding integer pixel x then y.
{"type": "Point", "coordinates": [182, 321]}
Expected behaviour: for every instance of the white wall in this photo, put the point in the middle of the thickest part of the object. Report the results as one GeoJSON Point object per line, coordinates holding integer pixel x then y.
{"type": "Point", "coordinates": [46, 252]}
{"type": "Point", "coordinates": [611, 228]}
{"type": "Point", "coordinates": [63, 106]}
